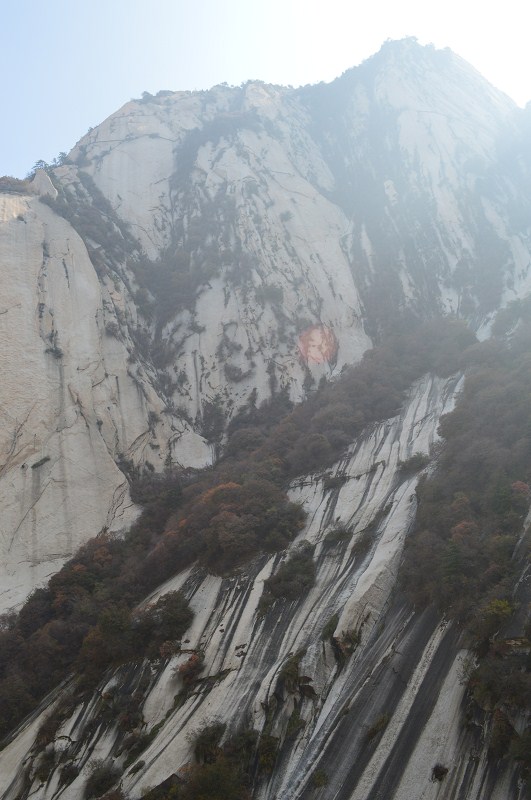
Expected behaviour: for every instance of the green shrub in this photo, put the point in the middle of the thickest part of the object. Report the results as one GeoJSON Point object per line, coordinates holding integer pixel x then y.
{"type": "Point", "coordinates": [413, 464]}
{"type": "Point", "coordinates": [520, 750]}
{"type": "Point", "coordinates": [289, 676]}
{"type": "Point", "coordinates": [349, 640]}
{"type": "Point", "coordinates": [267, 752]}
{"type": "Point", "coordinates": [329, 628]}
{"type": "Point", "coordinates": [269, 294]}
{"type": "Point", "coordinates": [378, 727]}
{"type": "Point", "coordinates": [338, 534]}
{"type": "Point", "coordinates": [439, 773]}
{"type": "Point", "coordinates": [319, 778]}
{"type": "Point", "coordinates": [164, 621]}
{"type": "Point", "coordinates": [334, 482]}
{"type": "Point", "coordinates": [501, 735]}
{"type": "Point", "coordinates": [363, 543]}
{"type": "Point", "coordinates": [233, 373]}
{"type": "Point", "coordinates": [295, 725]}
{"type": "Point", "coordinates": [68, 773]}
{"type": "Point", "coordinates": [102, 777]}
{"type": "Point", "coordinates": [206, 743]}
{"type": "Point", "coordinates": [45, 765]}
{"type": "Point", "coordinates": [224, 774]}
{"type": "Point", "coordinates": [294, 578]}
{"type": "Point", "coordinates": [217, 781]}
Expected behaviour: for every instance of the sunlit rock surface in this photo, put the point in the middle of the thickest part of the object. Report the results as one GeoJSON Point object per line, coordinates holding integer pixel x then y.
{"type": "Point", "coordinates": [72, 410]}
{"type": "Point", "coordinates": [403, 185]}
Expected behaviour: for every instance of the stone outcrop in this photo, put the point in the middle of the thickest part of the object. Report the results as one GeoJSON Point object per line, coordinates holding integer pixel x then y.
{"type": "Point", "coordinates": [74, 414]}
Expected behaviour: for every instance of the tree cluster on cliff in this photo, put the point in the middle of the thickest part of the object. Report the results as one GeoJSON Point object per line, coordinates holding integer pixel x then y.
{"type": "Point", "coordinates": [85, 619]}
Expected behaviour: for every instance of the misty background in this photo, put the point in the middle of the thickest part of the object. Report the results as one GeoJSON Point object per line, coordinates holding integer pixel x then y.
{"type": "Point", "coordinates": [66, 65]}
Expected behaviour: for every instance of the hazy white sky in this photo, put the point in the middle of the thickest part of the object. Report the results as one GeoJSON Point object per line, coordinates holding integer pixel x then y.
{"type": "Point", "coordinates": [67, 64]}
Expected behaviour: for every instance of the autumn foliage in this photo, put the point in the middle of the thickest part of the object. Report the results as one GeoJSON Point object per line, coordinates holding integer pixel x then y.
{"type": "Point", "coordinates": [468, 549]}
{"type": "Point", "coordinates": [85, 618]}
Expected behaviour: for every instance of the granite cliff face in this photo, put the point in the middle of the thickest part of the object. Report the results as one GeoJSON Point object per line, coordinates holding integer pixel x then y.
{"type": "Point", "coordinates": [73, 411]}
{"type": "Point", "coordinates": [168, 273]}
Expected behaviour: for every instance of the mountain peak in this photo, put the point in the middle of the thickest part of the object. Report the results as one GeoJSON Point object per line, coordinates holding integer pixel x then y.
{"type": "Point", "coordinates": [202, 262]}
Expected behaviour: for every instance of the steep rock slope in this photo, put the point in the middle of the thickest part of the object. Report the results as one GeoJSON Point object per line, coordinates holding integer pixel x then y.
{"type": "Point", "coordinates": [228, 206]}
{"type": "Point", "coordinates": [245, 653]}
{"type": "Point", "coordinates": [434, 181]}
{"type": "Point", "coordinates": [221, 230]}
{"type": "Point", "coordinates": [190, 247]}
{"type": "Point", "coordinates": [358, 696]}
{"type": "Point", "coordinates": [411, 165]}
{"type": "Point", "coordinates": [72, 411]}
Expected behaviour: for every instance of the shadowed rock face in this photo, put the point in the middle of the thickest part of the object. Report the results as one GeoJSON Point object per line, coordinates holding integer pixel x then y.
{"type": "Point", "coordinates": [189, 243]}
{"type": "Point", "coordinates": [377, 719]}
